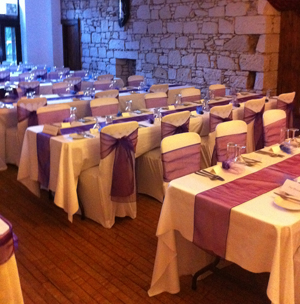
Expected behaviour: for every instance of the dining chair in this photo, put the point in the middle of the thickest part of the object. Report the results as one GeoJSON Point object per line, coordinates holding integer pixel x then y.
{"type": "Point", "coordinates": [107, 93]}
{"type": "Point", "coordinates": [285, 103]}
{"type": "Point", "coordinates": [109, 190]}
{"type": "Point", "coordinates": [135, 80]}
{"type": "Point", "coordinates": [4, 76]}
{"type": "Point", "coordinates": [118, 83]}
{"type": "Point", "coordinates": [28, 86]}
{"type": "Point", "coordinates": [27, 76]}
{"type": "Point", "coordinates": [63, 71]}
{"type": "Point", "coordinates": [274, 123]}
{"type": "Point", "coordinates": [75, 81]}
{"type": "Point", "coordinates": [234, 131]}
{"type": "Point", "coordinates": [39, 73]}
{"type": "Point", "coordinates": [154, 100]}
{"type": "Point", "coordinates": [219, 89]}
{"type": "Point", "coordinates": [61, 88]}
{"type": "Point", "coordinates": [80, 73]}
{"type": "Point", "coordinates": [253, 112]}
{"type": "Point", "coordinates": [105, 77]}
{"type": "Point", "coordinates": [53, 113]}
{"type": "Point", "coordinates": [53, 75]}
{"type": "Point", "coordinates": [26, 114]}
{"type": "Point", "coordinates": [103, 84]}
{"type": "Point", "coordinates": [190, 95]}
{"type": "Point", "coordinates": [149, 165]}
{"type": "Point", "coordinates": [104, 106]}
{"type": "Point", "coordinates": [155, 88]}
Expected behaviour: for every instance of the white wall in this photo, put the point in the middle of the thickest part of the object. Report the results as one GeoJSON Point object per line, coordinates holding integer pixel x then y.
{"type": "Point", "coordinates": [41, 32]}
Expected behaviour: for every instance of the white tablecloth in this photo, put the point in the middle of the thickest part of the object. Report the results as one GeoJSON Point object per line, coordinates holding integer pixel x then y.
{"type": "Point", "coordinates": [262, 237]}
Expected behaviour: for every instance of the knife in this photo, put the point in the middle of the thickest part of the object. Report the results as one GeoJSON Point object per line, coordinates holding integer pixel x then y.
{"type": "Point", "coordinates": [215, 175]}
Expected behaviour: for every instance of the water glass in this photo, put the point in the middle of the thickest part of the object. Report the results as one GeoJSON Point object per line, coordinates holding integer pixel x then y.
{"type": "Point", "coordinates": [177, 100]}
{"type": "Point", "coordinates": [268, 95]}
{"type": "Point", "coordinates": [108, 119]}
{"type": "Point", "coordinates": [157, 113]}
{"type": "Point", "coordinates": [239, 150]}
{"type": "Point", "coordinates": [231, 151]}
{"type": "Point", "coordinates": [128, 106]}
{"type": "Point", "coordinates": [96, 125]}
{"type": "Point", "coordinates": [73, 114]}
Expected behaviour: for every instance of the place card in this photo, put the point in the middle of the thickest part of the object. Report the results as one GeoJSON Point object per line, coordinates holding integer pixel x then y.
{"type": "Point", "coordinates": [172, 107]}
{"type": "Point", "coordinates": [125, 114]}
{"type": "Point", "coordinates": [194, 113]}
{"type": "Point", "coordinates": [50, 129]}
{"type": "Point", "coordinates": [276, 149]}
{"type": "Point", "coordinates": [291, 187]}
{"type": "Point", "coordinates": [94, 131]}
{"type": "Point", "coordinates": [65, 125]}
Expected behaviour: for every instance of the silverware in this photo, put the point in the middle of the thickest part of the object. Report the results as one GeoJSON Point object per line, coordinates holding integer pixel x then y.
{"type": "Point", "coordinates": [250, 160]}
{"type": "Point", "coordinates": [212, 177]}
{"type": "Point", "coordinates": [272, 154]}
{"type": "Point", "coordinates": [288, 197]}
{"type": "Point", "coordinates": [211, 174]}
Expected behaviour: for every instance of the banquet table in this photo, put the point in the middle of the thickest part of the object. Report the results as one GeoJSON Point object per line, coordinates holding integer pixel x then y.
{"type": "Point", "coordinates": [69, 157]}
{"type": "Point", "coordinates": [262, 236]}
{"type": "Point", "coordinates": [10, 288]}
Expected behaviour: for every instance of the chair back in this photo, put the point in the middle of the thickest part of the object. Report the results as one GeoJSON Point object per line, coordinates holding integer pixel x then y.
{"type": "Point", "coordinates": [104, 106]}
{"type": "Point", "coordinates": [218, 115]}
{"type": "Point", "coordinates": [29, 86]}
{"type": "Point", "coordinates": [4, 76]}
{"type": "Point", "coordinates": [103, 84]}
{"type": "Point", "coordinates": [190, 95]}
{"type": "Point", "coordinates": [175, 123]}
{"type": "Point", "coordinates": [63, 71]}
{"type": "Point", "coordinates": [180, 155]}
{"type": "Point", "coordinates": [285, 103]}
{"type": "Point", "coordinates": [117, 156]}
{"type": "Point", "coordinates": [61, 88]}
{"type": "Point", "coordinates": [230, 131]}
{"type": "Point", "coordinates": [105, 77]}
{"type": "Point", "coordinates": [118, 84]}
{"type": "Point", "coordinates": [219, 89]}
{"type": "Point", "coordinates": [253, 112]}
{"type": "Point", "coordinates": [155, 88]}
{"type": "Point", "coordinates": [274, 122]}
{"type": "Point", "coordinates": [53, 113]}
{"type": "Point", "coordinates": [154, 100]}
{"type": "Point", "coordinates": [75, 81]}
{"type": "Point", "coordinates": [135, 80]}
{"type": "Point", "coordinates": [27, 76]}
{"type": "Point", "coordinates": [40, 73]}
{"type": "Point", "coordinates": [53, 75]}
{"type": "Point", "coordinates": [80, 73]}
{"type": "Point", "coordinates": [107, 93]}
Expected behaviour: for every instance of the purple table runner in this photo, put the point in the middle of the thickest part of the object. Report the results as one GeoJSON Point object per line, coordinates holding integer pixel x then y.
{"type": "Point", "coordinates": [239, 100]}
{"type": "Point", "coordinates": [7, 243]}
{"type": "Point", "coordinates": [212, 207]}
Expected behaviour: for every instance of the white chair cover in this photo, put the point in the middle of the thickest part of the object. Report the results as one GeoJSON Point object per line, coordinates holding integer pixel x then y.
{"type": "Point", "coordinates": [61, 88]}
{"type": "Point", "coordinates": [94, 187]}
{"type": "Point", "coordinates": [80, 73]}
{"type": "Point", "coordinates": [102, 84]}
{"type": "Point", "coordinates": [28, 86]}
{"type": "Point", "coordinates": [190, 95]}
{"type": "Point", "coordinates": [75, 81]}
{"type": "Point", "coordinates": [53, 113]}
{"type": "Point", "coordinates": [107, 93]}
{"type": "Point", "coordinates": [26, 76]}
{"type": "Point", "coordinates": [105, 77]}
{"type": "Point", "coordinates": [149, 166]}
{"type": "Point", "coordinates": [39, 73]}
{"type": "Point", "coordinates": [104, 106]}
{"type": "Point", "coordinates": [135, 80]}
{"type": "Point", "coordinates": [154, 100]}
{"type": "Point", "coordinates": [155, 88]}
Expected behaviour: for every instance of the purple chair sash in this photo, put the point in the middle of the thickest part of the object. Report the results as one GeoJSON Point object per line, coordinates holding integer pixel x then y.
{"type": "Point", "coordinates": [220, 149]}
{"type": "Point", "coordinates": [288, 108]}
{"type": "Point", "coordinates": [212, 207]}
{"type": "Point", "coordinates": [214, 120]}
{"type": "Point", "coordinates": [219, 92]}
{"type": "Point", "coordinates": [122, 188]}
{"type": "Point", "coordinates": [168, 129]}
{"type": "Point", "coordinates": [273, 134]}
{"type": "Point", "coordinates": [101, 86]}
{"type": "Point", "coordinates": [190, 98]}
{"type": "Point", "coordinates": [26, 114]}
{"type": "Point", "coordinates": [134, 83]}
{"type": "Point", "coordinates": [105, 110]}
{"type": "Point", "coordinates": [181, 162]}
{"type": "Point", "coordinates": [52, 117]}
{"type": "Point", "coordinates": [249, 116]}
{"type": "Point", "coordinates": [156, 102]}
{"type": "Point", "coordinates": [7, 242]}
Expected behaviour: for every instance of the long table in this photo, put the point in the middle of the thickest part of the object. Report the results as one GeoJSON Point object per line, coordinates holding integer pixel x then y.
{"type": "Point", "coordinates": [262, 236]}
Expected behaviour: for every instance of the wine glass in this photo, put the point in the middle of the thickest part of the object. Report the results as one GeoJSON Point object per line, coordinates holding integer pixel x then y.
{"type": "Point", "coordinates": [128, 106]}
{"type": "Point", "coordinates": [96, 125]}
{"type": "Point", "coordinates": [73, 114]}
{"type": "Point", "coordinates": [238, 157]}
{"type": "Point", "coordinates": [206, 102]}
{"type": "Point", "coordinates": [231, 151]}
{"type": "Point", "coordinates": [108, 119]}
{"type": "Point", "coordinates": [291, 139]}
{"type": "Point", "coordinates": [268, 95]}
{"type": "Point", "coordinates": [177, 100]}
{"type": "Point", "coordinates": [211, 94]}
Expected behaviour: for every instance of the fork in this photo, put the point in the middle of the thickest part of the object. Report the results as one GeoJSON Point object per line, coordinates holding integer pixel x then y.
{"type": "Point", "coordinates": [211, 177]}
{"type": "Point", "coordinates": [288, 197]}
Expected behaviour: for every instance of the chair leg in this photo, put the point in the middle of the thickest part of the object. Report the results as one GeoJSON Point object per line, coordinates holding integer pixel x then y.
{"type": "Point", "coordinates": [212, 266]}
{"type": "Point", "coordinates": [81, 209]}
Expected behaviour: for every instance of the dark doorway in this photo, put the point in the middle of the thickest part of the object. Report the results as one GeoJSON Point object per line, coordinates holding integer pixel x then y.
{"type": "Point", "coordinates": [71, 44]}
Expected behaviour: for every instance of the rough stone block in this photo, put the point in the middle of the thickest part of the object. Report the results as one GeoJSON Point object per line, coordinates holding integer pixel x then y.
{"type": "Point", "coordinates": [168, 43]}
{"type": "Point", "coordinates": [212, 76]}
{"type": "Point", "coordinates": [268, 43]}
{"type": "Point", "coordinates": [96, 38]}
{"type": "Point", "coordinates": [137, 2]}
{"type": "Point", "coordinates": [203, 61]}
{"type": "Point", "coordinates": [126, 54]}
{"type": "Point", "coordinates": [184, 75]}
{"type": "Point", "coordinates": [174, 58]}
{"type": "Point", "coordinates": [253, 25]}
{"type": "Point", "coordinates": [209, 28]}
{"type": "Point", "coordinates": [201, 13]}
{"type": "Point", "coordinates": [226, 27]}
{"type": "Point", "coordinates": [86, 38]}
{"type": "Point", "coordinates": [155, 27]}
{"type": "Point", "coordinates": [152, 58]}
{"type": "Point", "coordinates": [265, 81]}
{"type": "Point", "coordinates": [172, 74]}
{"type": "Point", "coordinates": [143, 12]}
{"type": "Point", "coordinates": [86, 52]}
{"type": "Point", "coordinates": [197, 44]}
{"type": "Point", "coordinates": [182, 11]}
{"type": "Point", "coordinates": [148, 67]}
{"type": "Point", "coordinates": [217, 11]}
{"type": "Point", "coordinates": [160, 73]}
{"type": "Point", "coordinates": [265, 8]}
{"type": "Point", "coordinates": [102, 52]}
{"type": "Point", "coordinates": [104, 25]}
{"type": "Point", "coordinates": [175, 27]}
{"type": "Point", "coordinates": [241, 43]}
{"type": "Point", "coordinates": [154, 14]}
{"type": "Point", "coordinates": [234, 9]}
{"type": "Point", "coordinates": [254, 62]}
{"type": "Point", "coordinates": [132, 45]}
{"type": "Point", "coordinates": [239, 81]}
{"type": "Point", "coordinates": [94, 51]}
{"type": "Point", "coordinates": [189, 60]}
{"type": "Point", "coordinates": [182, 42]}
{"type": "Point", "coordinates": [225, 63]}
{"type": "Point", "coordinates": [165, 13]}
{"type": "Point", "coordinates": [140, 28]}
{"type": "Point", "coordinates": [116, 44]}
{"type": "Point", "coordinates": [101, 66]}
{"type": "Point", "coordinates": [87, 14]}
{"type": "Point", "coordinates": [190, 27]}
{"type": "Point", "coordinates": [110, 54]}
{"type": "Point", "coordinates": [70, 14]}
{"type": "Point", "coordinates": [146, 43]}
{"type": "Point", "coordinates": [163, 59]}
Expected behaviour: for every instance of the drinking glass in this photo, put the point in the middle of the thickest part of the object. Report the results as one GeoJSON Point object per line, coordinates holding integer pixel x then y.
{"type": "Point", "coordinates": [157, 113]}
{"type": "Point", "coordinates": [128, 106]}
{"type": "Point", "coordinates": [239, 150]}
{"type": "Point", "coordinates": [73, 114]}
{"type": "Point", "coordinates": [231, 151]}
{"type": "Point", "coordinates": [205, 102]}
{"type": "Point", "coordinates": [211, 94]}
{"type": "Point", "coordinates": [96, 125]}
{"type": "Point", "coordinates": [291, 139]}
{"type": "Point", "coordinates": [108, 119]}
{"type": "Point", "coordinates": [177, 100]}
{"type": "Point", "coordinates": [268, 95]}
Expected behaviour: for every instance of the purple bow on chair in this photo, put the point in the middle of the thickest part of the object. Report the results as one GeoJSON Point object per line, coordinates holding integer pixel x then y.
{"type": "Point", "coordinates": [24, 114]}
{"type": "Point", "coordinates": [122, 188]}
{"type": "Point", "coordinates": [273, 134]}
{"type": "Point", "coordinates": [7, 242]}
{"type": "Point", "coordinates": [249, 116]}
{"type": "Point", "coordinates": [288, 108]}
{"type": "Point", "coordinates": [214, 120]}
{"type": "Point", "coordinates": [168, 129]}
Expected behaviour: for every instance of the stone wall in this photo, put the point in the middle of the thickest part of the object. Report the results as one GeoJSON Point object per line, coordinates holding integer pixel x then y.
{"type": "Point", "coordinates": [198, 42]}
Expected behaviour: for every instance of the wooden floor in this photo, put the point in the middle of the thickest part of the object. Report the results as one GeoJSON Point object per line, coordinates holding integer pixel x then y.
{"type": "Point", "coordinates": [82, 262]}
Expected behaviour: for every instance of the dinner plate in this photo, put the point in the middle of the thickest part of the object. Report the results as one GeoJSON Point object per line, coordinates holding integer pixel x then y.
{"type": "Point", "coordinates": [244, 93]}
{"type": "Point", "coordinates": [76, 136]}
{"type": "Point", "coordinates": [218, 98]}
{"type": "Point", "coordinates": [286, 204]}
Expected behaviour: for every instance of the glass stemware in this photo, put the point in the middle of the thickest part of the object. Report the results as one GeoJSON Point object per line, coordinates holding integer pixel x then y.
{"type": "Point", "coordinates": [73, 114]}
{"type": "Point", "coordinates": [291, 139]}
{"type": "Point", "coordinates": [96, 125]}
{"type": "Point", "coordinates": [231, 151]}
{"type": "Point", "coordinates": [238, 157]}
{"type": "Point", "coordinates": [128, 107]}
{"type": "Point", "coordinates": [177, 100]}
{"type": "Point", "coordinates": [206, 102]}
{"type": "Point", "coordinates": [108, 119]}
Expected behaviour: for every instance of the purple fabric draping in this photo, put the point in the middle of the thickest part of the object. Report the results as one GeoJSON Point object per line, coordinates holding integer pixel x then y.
{"type": "Point", "coordinates": [134, 83]}
{"type": "Point", "coordinates": [220, 149]}
{"type": "Point", "coordinates": [240, 100]}
{"type": "Point", "coordinates": [220, 92]}
{"type": "Point", "coordinates": [134, 118]}
{"type": "Point", "coordinates": [52, 117]}
{"type": "Point", "coordinates": [212, 207]}
{"type": "Point", "coordinates": [273, 134]}
{"type": "Point", "coordinates": [214, 120]}
{"type": "Point", "coordinates": [26, 114]}
{"type": "Point", "coordinates": [156, 102]}
{"type": "Point", "coordinates": [249, 116]}
{"type": "Point", "coordinates": [188, 108]}
{"type": "Point", "coordinates": [180, 162]}
{"type": "Point", "coordinates": [43, 153]}
{"type": "Point", "coordinates": [288, 109]}
{"type": "Point", "coordinates": [7, 242]}
{"type": "Point", "coordinates": [122, 188]}
{"type": "Point", "coordinates": [190, 98]}
{"type": "Point", "coordinates": [105, 110]}
{"type": "Point", "coordinates": [168, 129]}
{"type": "Point", "coordinates": [77, 129]}
{"type": "Point", "coordinates": [101, 86]}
